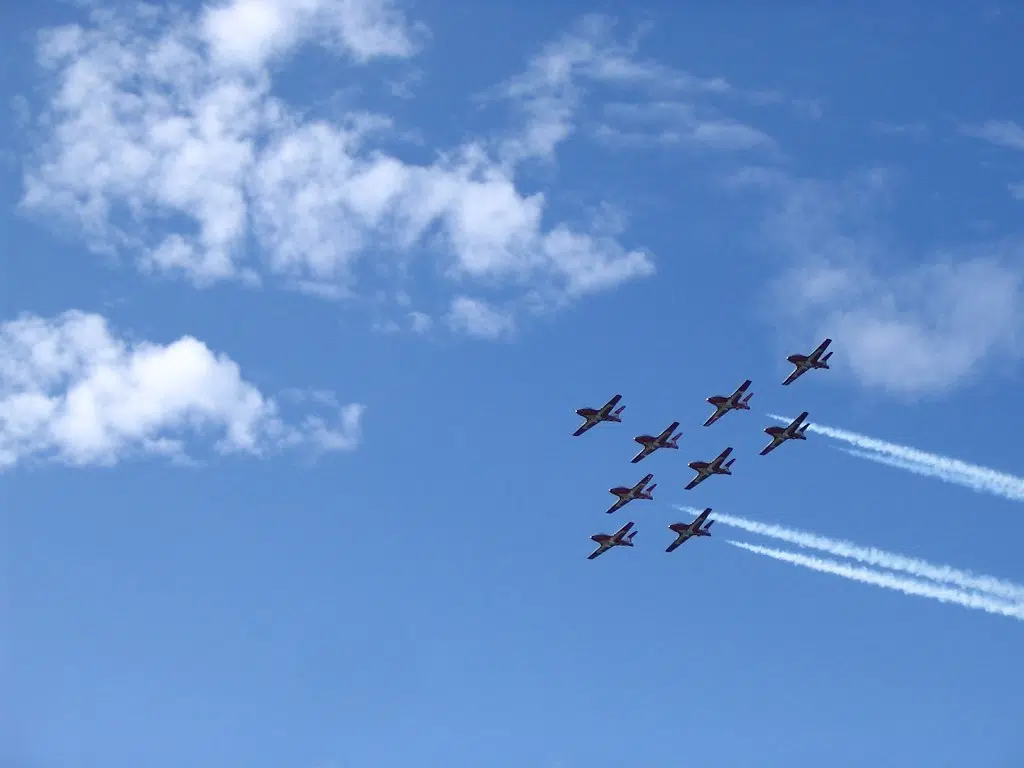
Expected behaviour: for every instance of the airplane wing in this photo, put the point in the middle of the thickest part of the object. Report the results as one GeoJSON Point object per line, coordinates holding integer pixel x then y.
{"type": "Point", "coordinates": [696, 524]}
{"type": "Point", "coordinates": [695, 482]}
{"type": "Point", "coordinates": [644, 452]}
{"type": "Point", "coordinates": [623, 530]}
{"type": "Point", "coordinates": [741, 389]}
{"type": "Point", "coordinates": [719, 413]}
{"type": "Point", "coordinates": [675, 544]}
{"type": "Point", "coordinates": [797, 421]}
{"type": "Point", "coordinates": [775, 443]}
{"type": "Point", "coordinates": [598, 552]}
{"type": "Point", "coordinates": [619, 504]}
{"type": "Point", "coordinates": [724, 455]}
{"type": "Point", "coordinates": [643, 482]}
{"type": "Point", "coordinates": [607, 407]}
{"type": "Point", "coordinates": [796, 374]}
{"type": "Point", "coordinates": [669, 430]}
{"type": "Point", "coordinates": [586, 425]}
{"type": "Point", "coordinates": [819, 349]}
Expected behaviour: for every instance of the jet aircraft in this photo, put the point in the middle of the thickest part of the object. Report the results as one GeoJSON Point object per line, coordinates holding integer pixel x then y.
{"type": "Point", "coordinates": [804, 363]}
{"type": "Point", "coordinates": [594, 416]}
{"type": "Point", "coordinates": [626, 495]}
{"type": "Point", "coordinates": [606, 541]}
{"type": "Point", "coordinates": [651, 443]}
{"type": "Point", "coordinates": [731, 403]}
{"type": "Point", "coordinates": [685, 531]}
{"type": "Point", "coordinates": [706, 469]}
{"type": "Point", "coordinates": [781, 434]}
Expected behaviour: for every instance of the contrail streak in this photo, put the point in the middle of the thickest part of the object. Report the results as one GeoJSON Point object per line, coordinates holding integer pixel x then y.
{"type": "Point", "coordinates": [946, 574]}
{"type": "Point", "coordinates": [951, 470]}
{"type": "Point", "coordinates": [890, 581]}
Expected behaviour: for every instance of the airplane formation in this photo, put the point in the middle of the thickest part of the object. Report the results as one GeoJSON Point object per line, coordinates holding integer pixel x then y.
{"type": "Point", "coordinates": [720, 465]}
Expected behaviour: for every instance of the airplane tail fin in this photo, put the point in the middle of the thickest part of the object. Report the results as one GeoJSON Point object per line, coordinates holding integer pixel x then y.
{"type": "Point", "coordinates": [802, 429]}
{"type": "Point", "coordinates": [729, 463]}
{"type": "Point", "coordinates": [675, 437]}
{"type": "Point", "coordinates": [618, 411]}
{"type": "Point", "coordinates": [629, 539]}
{"type": "Point", "coordinates": [707, 527]}
{"type": "Point", "coordinates": [746, 399]}
{"type": "Point", "coordinates": [825, 359]}
{"type": "Point", "coordinates": [651, 489]}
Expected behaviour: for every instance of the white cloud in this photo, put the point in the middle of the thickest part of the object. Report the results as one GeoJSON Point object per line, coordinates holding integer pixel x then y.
{"type": "Point", "coordinates": [907, 329]}
{"type": "Point", "coordinates": [249, 33]}
{"type": "Point", "coordinates": [550, 95]}
{"type": "Point", "coordinates": [479, 319]}
{"type": "Point", "coordinates": [420, 322]}
{"type": "Point", "coordinates": [1017, 190]}
{"type": "Point", "coordinates": [1002, 133]}
{"type": "Point", "coordinates": [163, 139]}
{"type": "Point", "coordinates": [70, 390]}
{"type": "Point", "coordinates": [678, 123]}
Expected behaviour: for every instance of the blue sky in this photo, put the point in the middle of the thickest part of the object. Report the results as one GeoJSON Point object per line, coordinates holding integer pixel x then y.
{"type": "Point", "coordinates": [299, 300]}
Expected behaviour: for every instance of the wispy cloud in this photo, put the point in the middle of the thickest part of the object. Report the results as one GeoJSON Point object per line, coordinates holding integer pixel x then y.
{"type": "Point", "coordinates": [910, 130]}
{"type": "Point", "coordinates": [1006, 590]}
{"type": "Point", "coordinates": [1016, 190]}
{"type": "Point", "coordinates": [950, 470]}
{"type": "Point", "coordinates": [72, 391]}
{"type": "Point", "coordinates": [911, 326]}
{"type": "Point", "coordinates": [1002, 133]}
{"type": "Point", "coordinates": [163, 138]}
{"type": "Point", "coordinates": [678, 124]}
{"type": "Point", "coordinates": [890, 581]}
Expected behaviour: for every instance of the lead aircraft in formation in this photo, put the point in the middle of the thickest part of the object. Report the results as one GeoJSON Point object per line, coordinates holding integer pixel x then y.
{"type": "Point", "coordinates": [706, 469]}
{"type": "Point", "coordinates": [627, 494]}
{"type": "Point", "coordinates": [606, 541]}
{"type": "Point", "coordinates": [737, 401]}
{"type": "Point", "coordinates": [780, 435]}
{"type": "Point", "coordinates": [651, 443]}
{"type": "Point", "coordinates": [804, 363]}
{"type": "Point", "coordinates": [594, 416]}
{"type": "Point", "coordinates": [731, 403]}
{"type": "Point", "coordinates": [686, 531]}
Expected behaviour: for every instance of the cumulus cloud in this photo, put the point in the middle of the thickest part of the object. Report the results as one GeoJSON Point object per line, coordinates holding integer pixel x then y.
{"type": "Point", "coordinates": [163, 138]}
{"type": "Point", "coordinates": [73, 391]}
{"type": "Point", "coordinates": [479, 319]}
{"type": "Point", "coordinates": [914, 327]}
{"type": "Point", "coordinates": [249, 33]}
{"type": "Point", "coordinates": [1002, 133]}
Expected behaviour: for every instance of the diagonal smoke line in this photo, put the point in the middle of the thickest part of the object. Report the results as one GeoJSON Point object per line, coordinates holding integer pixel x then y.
{"type": "Point", "coordinates": [950, 470]}
{"type": "Point", "coordinates": [890, 581]}
{"type": "Point", "coordinates": [1006, 590]}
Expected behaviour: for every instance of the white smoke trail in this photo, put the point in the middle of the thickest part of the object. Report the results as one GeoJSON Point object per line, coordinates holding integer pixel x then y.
{"type": "Point", "coordinates": [918, 469]}
{"type": "Point", "coordinates": [890, 581]}
{"type": "Point", "coordinates": [1006, 590]}
{"type": "Point", "coordinates": [951, 470]}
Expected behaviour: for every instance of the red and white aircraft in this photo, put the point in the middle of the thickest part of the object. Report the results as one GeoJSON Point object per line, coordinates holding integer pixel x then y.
{"type": "Point", "coordinates": [606, 541]}
{"type": "Point", "coordinates": [804, 363]}
{"type": "Point", "coordinates": [626, 494]}
{"type": "Point", "coordinates": [781, 434]}
{"type": "Point", "coordinates": [731, 403]}
{"type": "Point", "coordinates": [685, 531]}
{"type": "Point", "coordinates": [705, 469]}
{"type": "Point", "coordinates": [595, 416]}
{"type": "Point", "coordinates": [651, 443]}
